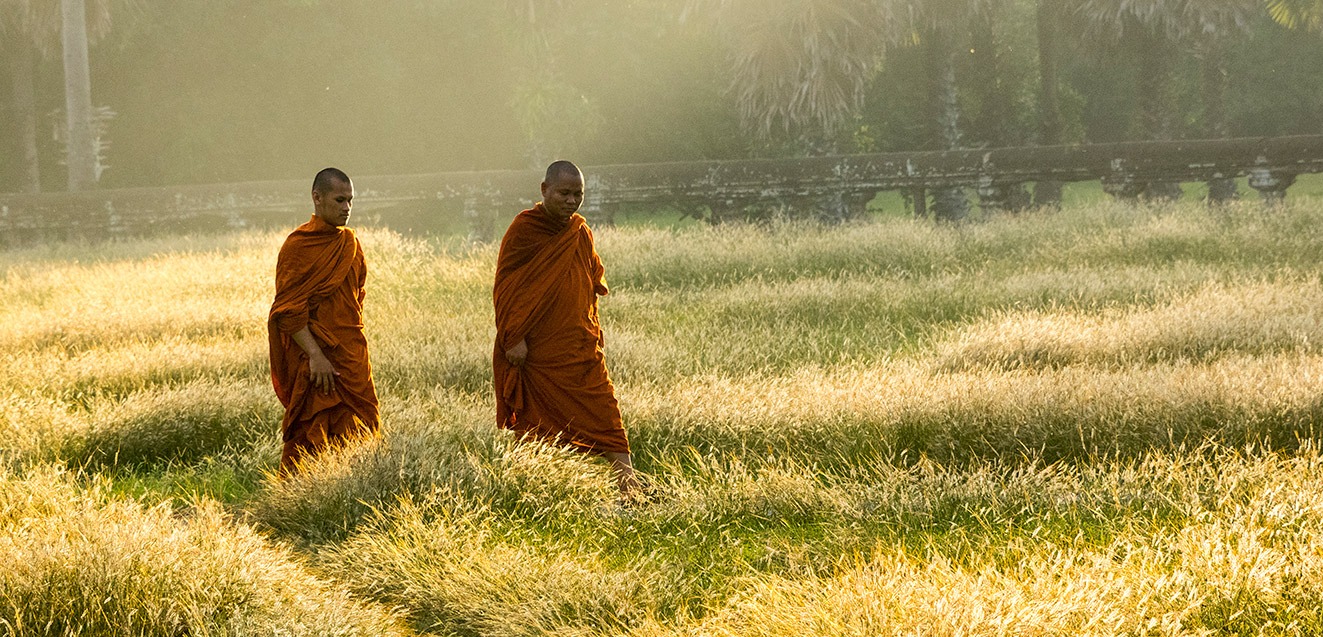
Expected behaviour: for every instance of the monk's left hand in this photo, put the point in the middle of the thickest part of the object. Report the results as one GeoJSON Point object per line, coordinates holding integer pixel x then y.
{"type": "Point", "coordinates": [518, 354]}
{"type": "Point", "coordinates": [322, 373]}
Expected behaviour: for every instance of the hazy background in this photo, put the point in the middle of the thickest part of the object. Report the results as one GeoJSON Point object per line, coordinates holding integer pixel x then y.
{"type": "Point", "coordinates": [217, 91]}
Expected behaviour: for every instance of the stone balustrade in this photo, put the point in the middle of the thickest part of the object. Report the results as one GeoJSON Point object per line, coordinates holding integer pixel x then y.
{"type": "Point", "coordinates": [830, 187]}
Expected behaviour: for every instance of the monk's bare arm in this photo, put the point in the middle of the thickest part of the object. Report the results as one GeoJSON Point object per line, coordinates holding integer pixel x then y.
{"type": "Point", "coordinates": [518, 354]}
{"type": "Point", "coordinates": [320, 371]}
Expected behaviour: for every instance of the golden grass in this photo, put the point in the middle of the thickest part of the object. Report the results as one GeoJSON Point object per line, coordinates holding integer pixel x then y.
{"type": "Point", "coordinates": [1097, 422]}
{"type": "Point", "coordinates": [78, 563]}
{"type": "Point", "coordinates": [1216, 320]}
{"type": "Point", "coordinates": [834, 415]}
{"type": "Point", "coordinates": [454, 575]}
{"type": "Point", "coordinates": [1252, 567]}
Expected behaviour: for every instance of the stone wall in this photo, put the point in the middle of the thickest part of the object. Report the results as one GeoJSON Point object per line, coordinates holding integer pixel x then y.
{"type": "Point", "coordinates": [830, 187]}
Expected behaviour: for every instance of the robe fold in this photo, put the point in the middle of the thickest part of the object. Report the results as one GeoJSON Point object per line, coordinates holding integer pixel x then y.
{"type": "Point", "coordinates": [548, 278]}
{"type": "Point", "coordinates": [319, 284]}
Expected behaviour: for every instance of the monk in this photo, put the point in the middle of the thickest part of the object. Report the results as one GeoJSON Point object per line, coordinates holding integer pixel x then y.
{"type": "Point", "coordinates": [319, 355]}
{"type": "Point", "coordinates": [550, 377]}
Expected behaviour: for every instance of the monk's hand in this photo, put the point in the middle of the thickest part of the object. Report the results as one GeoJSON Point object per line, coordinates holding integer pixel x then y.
{"type": "Point", "coordinates": [322, 373]}
{"type": "Point", "coordinates": [518, 354]}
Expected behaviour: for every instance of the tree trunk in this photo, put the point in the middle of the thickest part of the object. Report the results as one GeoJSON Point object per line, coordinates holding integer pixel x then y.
{"type": "Point", "coordinates": [1222, 189]}
{"type": "Point", "coordinates": [1155, 101]}
{"type": "Point", "coordinates": [949, 204]}
{"type": "Point", "coordinates": [1047, 193]}
{"type": "Point", "coordinates": [21, 64]}
{"type": "Point", "coordinates": [80, 155]}
{"type": "Point", "coordinates": [996, 112]}
{"type": "Point", "coordinates": [994, 104]}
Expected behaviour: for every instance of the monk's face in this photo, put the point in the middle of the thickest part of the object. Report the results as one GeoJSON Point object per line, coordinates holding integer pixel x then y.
{"type": "Point", "coordinates": [333, 205]}
{"type": "Point", "coordinates": [563, 195]}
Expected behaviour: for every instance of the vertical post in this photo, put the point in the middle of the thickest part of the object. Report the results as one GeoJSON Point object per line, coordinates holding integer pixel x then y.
{"type": "Point", "coordinates": [839, 206]}
{"type": "Point", "coordinates": [723, 209]}
{"type": "Point", "coordinates": [949, 203]}
{"type": "Point", "coordinates": [1121, 184]}
{"type": "Point", "coordinates": [1124, 188]}
{"type": "Point", "coordinates": [920, 195]}
{"type": "Point", "coordinates": [478, 231]}
{"type": "Point", "coordinates": [79, 152]}
{"type": "Point", "coordinates": [1047, 194]}
{"type": "Point", "coordinates": [1272, 184]}
{"type": "Point", "coordinates": [1222, 190]}
{"type": "Point", "coordinates": [591, 208]}
{"type": "Point", "coordinates": [992, 196]}
{"type": "Point", "coordinates": [856, 204]}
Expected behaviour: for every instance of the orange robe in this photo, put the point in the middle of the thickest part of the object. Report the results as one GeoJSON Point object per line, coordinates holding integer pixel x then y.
{"type": "Point", "coordinates": [319, 284]}
{"type": "Point", "coordinates": [548, 278]}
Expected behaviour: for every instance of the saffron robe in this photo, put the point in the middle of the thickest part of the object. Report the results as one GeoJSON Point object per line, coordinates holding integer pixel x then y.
{"type": "Point", "coordinates": [548, 278]}
{"type": "Point", "coordinates": [320, 276]}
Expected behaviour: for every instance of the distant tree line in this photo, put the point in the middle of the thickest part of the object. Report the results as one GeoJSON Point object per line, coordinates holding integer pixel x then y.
{"type": "Point", "coordinates": [199, 91]}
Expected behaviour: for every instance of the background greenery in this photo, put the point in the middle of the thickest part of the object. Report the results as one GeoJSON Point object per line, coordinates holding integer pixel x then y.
{"type": "Point", "coordinates": [217, 91]}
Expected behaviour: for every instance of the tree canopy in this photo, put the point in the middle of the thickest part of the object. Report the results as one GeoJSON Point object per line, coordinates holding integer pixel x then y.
{"type": "Point", "coordinates": [209, 91]}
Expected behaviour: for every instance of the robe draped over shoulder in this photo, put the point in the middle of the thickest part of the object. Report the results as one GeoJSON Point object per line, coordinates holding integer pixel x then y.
{"type": "Point", "coordinates": [548, 278]}
{"type": "Point", "coordinates": [320, 276]}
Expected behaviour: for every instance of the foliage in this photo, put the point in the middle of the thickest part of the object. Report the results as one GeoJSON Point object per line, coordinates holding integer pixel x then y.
{"type": "Point", "coordinates": [468, 85]}
{"type": "Point", "coordinates": [37, 23]}
{"type": "Point", "coordinates": [799, 71]}
{"type": "Point", "coordinates": [1296, 14]}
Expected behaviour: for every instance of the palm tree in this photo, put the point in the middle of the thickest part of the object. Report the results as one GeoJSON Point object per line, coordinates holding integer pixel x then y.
{"type": "Point", "coordinates": [80, 154]}
{"type": "Point", "coordinates": [1156, 29]}
{"type": "Point", "coordinates": [995, 120]}
{"type": "Point", "coordinates": [1217, 23]}
{"type": "Point", "coordinates": [991, 80]}
{"type": "Point", "coordinates": [16, 24]}
{"type": "Point", "coordinates": [33, 29]}
{"type": "Point", "coordinates": [1047, 20]}
{"type": "Point", "coordinates": [1148, 27]}
{"type": "Point", "coordinates": [799, 71]}
{"type": "Point", "coordinates": [936, 25]}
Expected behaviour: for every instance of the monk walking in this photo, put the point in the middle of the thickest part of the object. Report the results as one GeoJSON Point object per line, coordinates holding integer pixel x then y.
{"type": "Point", "coordinates": [550, 377]}
{"type": "Point", "coordinates": [319, 356]}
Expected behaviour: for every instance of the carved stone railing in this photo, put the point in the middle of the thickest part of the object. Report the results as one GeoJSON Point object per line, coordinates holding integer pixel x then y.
{"type": "Point", "coordinates": [1125, 169]}
{"type": "Point", "coordinates": [839, 185]}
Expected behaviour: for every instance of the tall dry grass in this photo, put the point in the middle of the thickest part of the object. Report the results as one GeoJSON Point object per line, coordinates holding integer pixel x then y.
{"type": "Point", "coordinates": [81, 563]}
{"type": "Point", "coordinates": [1242, 563]}
{"type": "Point", "coordinates": [1102, 421]}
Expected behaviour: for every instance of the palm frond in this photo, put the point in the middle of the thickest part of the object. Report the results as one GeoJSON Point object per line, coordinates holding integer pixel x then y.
{"type": "Point", "coordinates": [1174, 19]}
{"type": "Point", "coordinates": [1297, 14]}
{"type": "Point", "coordinates": [802, 66]}
{"type": "Point", "coordinates": [39, 21]}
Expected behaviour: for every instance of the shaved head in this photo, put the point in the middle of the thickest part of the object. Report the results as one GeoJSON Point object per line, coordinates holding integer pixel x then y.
{"type": "Point", "coordinates": [562, 191]}
{"type": "Point", "coordinates": [326, 179]}
{"type": "Point", "coordinates": [561, 167]}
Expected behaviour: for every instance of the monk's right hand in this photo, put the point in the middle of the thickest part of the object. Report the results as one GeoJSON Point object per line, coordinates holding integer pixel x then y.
{"type": "Point", "coordinates": [322, 373]}
{"type": "Point", "coordinates": [518, 354]}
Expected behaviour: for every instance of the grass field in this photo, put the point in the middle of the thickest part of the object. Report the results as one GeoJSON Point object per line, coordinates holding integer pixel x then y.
{"type": "Point", "coordinates": [1102, 421]}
